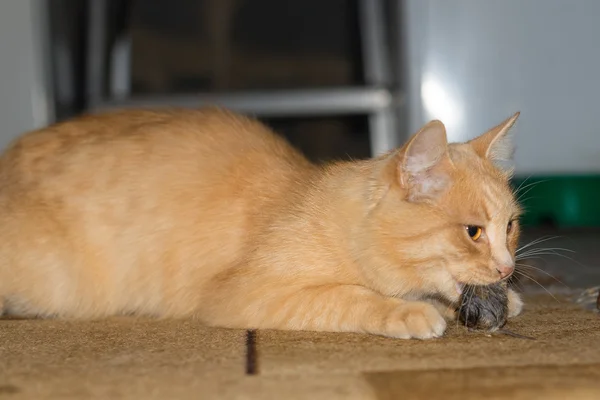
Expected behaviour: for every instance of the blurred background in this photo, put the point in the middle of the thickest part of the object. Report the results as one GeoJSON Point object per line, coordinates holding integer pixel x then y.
{"type": "Point", "coordinates": [339, 78]}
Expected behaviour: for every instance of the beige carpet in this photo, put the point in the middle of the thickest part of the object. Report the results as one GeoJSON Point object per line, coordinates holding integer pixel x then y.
{"type": "Point", "coordinates": [144, 359]}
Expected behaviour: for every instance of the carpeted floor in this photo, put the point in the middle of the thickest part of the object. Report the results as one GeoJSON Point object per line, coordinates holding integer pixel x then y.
{"type": "Point", "coordinates": [145, 359]}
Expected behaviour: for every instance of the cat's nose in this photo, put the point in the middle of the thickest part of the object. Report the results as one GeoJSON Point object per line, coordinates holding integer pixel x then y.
{"type": "Point", "coordinates": [505, 270]}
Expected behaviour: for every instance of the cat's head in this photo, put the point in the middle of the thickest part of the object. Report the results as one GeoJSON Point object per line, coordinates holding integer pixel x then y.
{"type": "Point", "coordinates": [446, 213]}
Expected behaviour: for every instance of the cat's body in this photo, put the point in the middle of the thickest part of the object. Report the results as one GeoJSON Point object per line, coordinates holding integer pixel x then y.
{"type": "Point", "coordinates": [209, 214]}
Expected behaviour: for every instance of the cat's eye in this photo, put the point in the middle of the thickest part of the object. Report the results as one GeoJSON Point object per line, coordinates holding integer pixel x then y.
{"type": "Point", "coordinates": [509, 227]}
{"type": "Point", "coordinates": [474, 232]}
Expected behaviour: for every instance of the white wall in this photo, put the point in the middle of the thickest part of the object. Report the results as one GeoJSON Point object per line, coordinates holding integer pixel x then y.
{"type": "Point", "coordinates": [473, 63]}
{"type": "Point", "coordinates": [24, 94]}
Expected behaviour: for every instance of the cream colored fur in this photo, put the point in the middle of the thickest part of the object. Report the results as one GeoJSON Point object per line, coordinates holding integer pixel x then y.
{"type": "Point", "coordinates": [209, 214]}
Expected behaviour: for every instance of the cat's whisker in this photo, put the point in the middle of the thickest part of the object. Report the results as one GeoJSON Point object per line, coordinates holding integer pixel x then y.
{"type": "Point", "coordinates": [538, 255]}
{"type": "Point", "coordinates": [469, 302]}
{"type": "Point", "coordinates": [552, 254]}
{"type": "Point", "coordinates": [529, 187]}
{"type": "Point", "coordinates": [528, 247]}
{"type": "Point", "coordinates": [530, 184]}
{"type": "Point", "coordinates": [467, 288]}
{"type": "Point", "coordinates": [550, 249]}
{"type": "Point", "coordinates": [542, 271]}
{"type": "Point", "coordinates": [549, 252]}
{"type": "Point", "coordinates": [529, 198]}
{"type": "Point", "coordinates": [524, 209]}
{"type": "Point", "coordinates": [528, 258]}
{"type": "Point", "coordinates": [514, 281]}
{"type": "Point", "coordinates": [521, 185]}
{"type": "Point", "coordinates": [539, 284]}
{"type": "Point", "coordinates": [537, 241]}
{"type": "Point", "coordinates": [520, 197]}
{"type": "Point", "coordinates": [524, 186]}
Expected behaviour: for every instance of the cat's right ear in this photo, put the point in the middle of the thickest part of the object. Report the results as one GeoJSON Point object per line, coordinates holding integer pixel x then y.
{"type": "Point", "coordinates": [497, 144]}
{"type": "Point", "coordinates": [424, 164]}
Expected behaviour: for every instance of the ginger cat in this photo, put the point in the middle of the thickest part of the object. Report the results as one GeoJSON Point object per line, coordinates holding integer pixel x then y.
{"type": "Point", "coordinates": [209, 214]}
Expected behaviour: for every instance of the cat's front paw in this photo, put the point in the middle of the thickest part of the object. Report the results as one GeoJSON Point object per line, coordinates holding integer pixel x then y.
{"type": "Point", "coordinates": [445, 310]}
{"type": "Point", "coordinates": [515, 304]}
{"type": "Point", "coordinates": [415, 320]}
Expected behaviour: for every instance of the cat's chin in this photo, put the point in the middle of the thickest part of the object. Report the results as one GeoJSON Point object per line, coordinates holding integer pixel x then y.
{"type": "Point", "coordinates": [459, 287]}
{"type": "Point", "coordinates": [476, 280]}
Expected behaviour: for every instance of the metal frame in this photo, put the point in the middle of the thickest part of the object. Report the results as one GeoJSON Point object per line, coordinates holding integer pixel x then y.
{"type": "Point", "coordinates": [377, 99]}
{"type": "Point", "coordinates": [44, 110]}
{"type": "Point", "coordinates": [26, 92]}
{"type": "Point", "coordinates": [377, 65]}
{"type": "Point", "coordinates": [120, 78]}
{"type": "Point", "coordinates": [97, 52]}
{"type": "Point", "coordinates": [304, 102]}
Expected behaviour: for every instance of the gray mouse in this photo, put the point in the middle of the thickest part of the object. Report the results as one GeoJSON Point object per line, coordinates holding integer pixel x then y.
{"type": "Point", "coordinates": [485, 308]}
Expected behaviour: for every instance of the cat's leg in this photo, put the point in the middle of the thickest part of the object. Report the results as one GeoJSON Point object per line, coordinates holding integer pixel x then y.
{"type": "Point", "coordinates": [515, 303]}
{"type": "Point", "coordinates": [446, 310]}
{"type": "Point", "coordinates": [332, 308]}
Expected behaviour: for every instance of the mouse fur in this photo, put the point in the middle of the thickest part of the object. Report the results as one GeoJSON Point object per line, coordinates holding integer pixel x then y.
{"type": "Point", "coordinates": [484, 307]}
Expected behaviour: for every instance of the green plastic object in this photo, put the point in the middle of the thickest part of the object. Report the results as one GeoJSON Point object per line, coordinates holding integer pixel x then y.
{"type": "Point", "coordinates": [560, 201]}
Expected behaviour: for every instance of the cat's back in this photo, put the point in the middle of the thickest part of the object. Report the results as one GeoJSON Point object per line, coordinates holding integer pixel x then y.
{"type": "Point", "coordinates": [183, 139]}
{"type": "Point", "coordinates": [133, 211]}
{"type": "Point", "coordinates": [170, 166]}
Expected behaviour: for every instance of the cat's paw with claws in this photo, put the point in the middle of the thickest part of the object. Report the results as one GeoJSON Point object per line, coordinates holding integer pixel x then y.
{"type": "Point", "coordinates": [416, 320]}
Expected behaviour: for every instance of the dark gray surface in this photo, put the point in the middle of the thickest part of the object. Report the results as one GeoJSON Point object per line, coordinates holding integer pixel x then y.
{"type": "Point", "coordinates": [575, 269]}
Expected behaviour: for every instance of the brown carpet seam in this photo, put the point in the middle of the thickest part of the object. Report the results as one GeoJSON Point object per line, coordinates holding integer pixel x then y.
{"type": "Point", "coordinates": [251, 355]}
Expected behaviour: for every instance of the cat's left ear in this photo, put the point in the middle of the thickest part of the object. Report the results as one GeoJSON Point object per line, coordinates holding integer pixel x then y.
{"type": "Point", "coordinates": [425, 166]}
{"type": "Point", "coordinates": [497, 144]}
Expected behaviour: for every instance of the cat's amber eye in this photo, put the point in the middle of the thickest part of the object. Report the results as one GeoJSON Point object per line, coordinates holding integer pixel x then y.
{"type": "Point", "coordinates": [474, 232]}
{"type": "Point", "coordinates": [509, 227]}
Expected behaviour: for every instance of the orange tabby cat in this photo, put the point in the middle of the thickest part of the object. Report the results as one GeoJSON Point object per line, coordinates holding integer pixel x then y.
{"type": "Point", "coordinates": [209, 214]}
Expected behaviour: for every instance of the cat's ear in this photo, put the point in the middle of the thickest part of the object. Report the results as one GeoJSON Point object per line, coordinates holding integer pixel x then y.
{"type": "Point", "coordinates": [497, 144]}
{"type": "Point", "coordinates": [424, 166]}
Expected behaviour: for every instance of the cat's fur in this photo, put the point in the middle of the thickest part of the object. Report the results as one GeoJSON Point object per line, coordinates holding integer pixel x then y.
{"type": "Point", "coordinates": [209, 214]}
